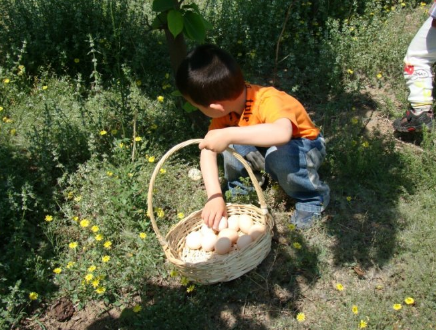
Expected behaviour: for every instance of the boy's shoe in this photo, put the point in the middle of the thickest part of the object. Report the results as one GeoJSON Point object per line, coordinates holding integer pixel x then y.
{"type": "Point", "coordinates": [304, 219]}
{"type": "Point", "coordinates": [414, 123]}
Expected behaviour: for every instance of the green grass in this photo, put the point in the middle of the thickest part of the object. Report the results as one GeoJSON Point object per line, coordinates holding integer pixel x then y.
{"type": "Point", "coordinates": [79, 141]}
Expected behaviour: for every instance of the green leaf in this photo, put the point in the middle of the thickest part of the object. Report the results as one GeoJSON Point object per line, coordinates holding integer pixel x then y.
{"type": "Point", "coordinates": [194, 27]}
{"type": "Point", "coordinates": [162, 5]}
{"type": "Point", "coordinates": [176, 93]}
{"type": "Point", "coordinates": [175, 22]}
{"type": "Point", "coordinates": [159, 21]}
{"type": "Point", "coordinates": [206, 23]}
{"type": "Point", "coordinates": [188, 107]}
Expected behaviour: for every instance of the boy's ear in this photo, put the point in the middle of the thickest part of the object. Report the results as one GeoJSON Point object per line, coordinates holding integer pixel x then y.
{"type": "Point", "coordinates": [217, 106]}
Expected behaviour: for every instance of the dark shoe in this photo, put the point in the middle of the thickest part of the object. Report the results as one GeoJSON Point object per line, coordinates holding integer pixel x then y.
{"type": "Point", "coordinates": [414, 123]}
{"type": "Point", "coordinates": [304, 219]}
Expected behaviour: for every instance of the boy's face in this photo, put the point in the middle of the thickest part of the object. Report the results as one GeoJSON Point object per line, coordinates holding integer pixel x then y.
{"type": "Point", "coordinates": [215, 110]}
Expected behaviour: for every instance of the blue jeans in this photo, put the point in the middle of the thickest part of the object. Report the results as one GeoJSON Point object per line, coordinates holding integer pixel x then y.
{"type": "Point", "coordinates": [293, 165]}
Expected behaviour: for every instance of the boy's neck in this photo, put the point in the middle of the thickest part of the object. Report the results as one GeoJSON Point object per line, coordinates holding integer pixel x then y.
{"type": "Point", "coordinates": [239, 102]}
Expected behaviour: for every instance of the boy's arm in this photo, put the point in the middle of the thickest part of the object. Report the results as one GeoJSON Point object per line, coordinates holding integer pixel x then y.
{"type": "Point", "coordinates": [261, 135]}
{"type": "Point", "coordinates": [215, 207]}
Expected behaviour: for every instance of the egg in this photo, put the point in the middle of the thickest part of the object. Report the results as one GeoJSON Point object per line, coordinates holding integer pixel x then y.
{"type": "Point", "coordinates": [230, 233]}
{"type": "Point", "coordinates": [223, 245]}
{"type": "Point", "coordinates": [233, 222]}
{"type": "Point", "coordinates": [206, 230]}
{"type": "Point", "coordinates": [256, 231]}
{"type": "Point", "coordinates": [193, 240]}
{"type": "Point", "coordinates": [222, 224]}
{"type": "Point", "coordinates": [243, 241]}
{"type": "Point", "coordinates": [208, 242]}
{"type": "Point", "coordinates": [245, 223]}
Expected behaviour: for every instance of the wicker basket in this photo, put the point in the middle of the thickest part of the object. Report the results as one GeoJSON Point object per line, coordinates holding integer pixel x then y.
{"type": "Point", "coordinates": [208, 267]}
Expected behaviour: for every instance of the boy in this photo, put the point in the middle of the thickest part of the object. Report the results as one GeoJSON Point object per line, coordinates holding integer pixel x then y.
{"type": "Point", "coordinates": [271, 129]}
{"type": "Point", "coordinates": [418, 74]}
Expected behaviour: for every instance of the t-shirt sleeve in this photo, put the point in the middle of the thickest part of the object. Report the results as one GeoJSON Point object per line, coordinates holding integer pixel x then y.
{"type": "Point", "coordinates": [274, 108]}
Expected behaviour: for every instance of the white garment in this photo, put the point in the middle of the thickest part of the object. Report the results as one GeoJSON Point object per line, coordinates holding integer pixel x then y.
{"type": "Point", "coordinates": [420, 57]}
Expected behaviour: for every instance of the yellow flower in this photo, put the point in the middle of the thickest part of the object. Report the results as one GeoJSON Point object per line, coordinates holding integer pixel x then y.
{"type": "Point", "coordinates": [100, 290]}
{"type": "Point", "coordinates": [70, 264]}
{"type": "Point", "coordinates": [397, 307]}
{"type": "Point", "coordinates": [121, 145]}
{"type": "Point", "coordinates": [107, 244]}
{"type": "Point", "coordinates": [84, 223]}
{"type": "Point", "coordinates": [291, 227]}
{"type": "Point", "coordinates": [105, 258]}
{"type": "Point", "coordinates": [95, 229]}
{"type": "Point", "coordinates": [13, 132]}
{"type": "Point", "coordinates": [130, 175]}
{"type": "Point", "coordinates": [403, 4]}
{"type": "Point", "coordinates": [48, 218]}
{"type": "Point", "coordinates": [339, 287]}
{"type": "Point", "coordinates": [138, 82]}
{"type": "Point", "coordinates": [365, 144]}
{"type": "Point", "coordinates": [33, 296]}
{"type": "Point", "coordinates": [44, 87]}
{"type": "Point", "coordinates": [95, 283]}
{"type": "Point", "coordinates": [143, 235]}
{"type": "Point", "coordinates": [409, 301]}
{"type": "Point", "coordinates": [70, 196]}
{"type": "Point", "coordinates": [379, 75]}
{"type": "Point", "coordinates": [350, 71]}
{"type": "Point", "coordinates": [363, 324]}
{"type": "Point", "coordinates": [78, 198]}
{"type": "Point", "coordinates": [89, 277]}
{"type": "Point", "coordinates": [355, 309]}
{"type": "Point", "coordinates": [301, 317]}
{"type": "Point", "coordinates": [6, 80]}
{"type": "Point", "coordinates": [160, 213]}
{"type": "Point", "coordinates": [76, 60]}
{"type": "Point", "coordinates": [297, 245]}
{"type": "Point", "coordinates": [354, 121]}
{"type": "Point", "coordinates": [138, 138]}
{"type": "Point", "coordinates": [180, 215]}
{"type": "Point", "coordinates": [92, 268]}
{"type": "Point", "coordinates": [98, 237]}
{"type": "Point", "coordinates": [109, 173]}
{"type": "Point", "coordinates": [173, 273]}
{"type": "Point", "coordinates": [136, 308]}
{"type": "Point", "coordinates": [1, 109]}
{"type": "Point", "coordinates": [160, 99]}
{"type": "Point", "coordinates": [190, 288]}
{"type": "Point", "coordinates": [423, 4]}
{"type": "Point", "coordinates": [57, 270]}
{"type": "Point", "coordinates": [151, 159]}
{"type": "Point", "coordinates": [349, 198]}
{"type": "Point", "coordinates": [103, 132]}
{"type": "Point", "coordinates": [162, 171]}
{"type": "Point", "coordinates": [73, 245]}
{"type": "Point", "coordinates": [184, 281]}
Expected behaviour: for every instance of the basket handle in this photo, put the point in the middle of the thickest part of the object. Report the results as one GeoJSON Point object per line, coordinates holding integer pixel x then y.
{"type": "Point", "coordinates": [177, 147]}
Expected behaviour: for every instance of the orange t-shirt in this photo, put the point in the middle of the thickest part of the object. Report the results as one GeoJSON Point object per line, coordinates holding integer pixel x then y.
{"type": "Point", "coordinates": [266, 105]}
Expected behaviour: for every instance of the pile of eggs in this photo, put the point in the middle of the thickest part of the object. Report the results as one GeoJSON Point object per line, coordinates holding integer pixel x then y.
{"type": "Point", "coordinates": [238, 231]}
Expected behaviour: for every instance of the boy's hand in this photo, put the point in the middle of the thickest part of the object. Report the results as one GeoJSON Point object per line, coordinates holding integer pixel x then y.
{"type": "Point", "coordinates": [213, 211]}
{"type": "Point", "coordinates": [215, 140]}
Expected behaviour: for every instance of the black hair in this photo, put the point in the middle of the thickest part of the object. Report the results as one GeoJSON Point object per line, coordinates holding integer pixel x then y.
{"type": "Point", "coordinates": [209, 74]}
